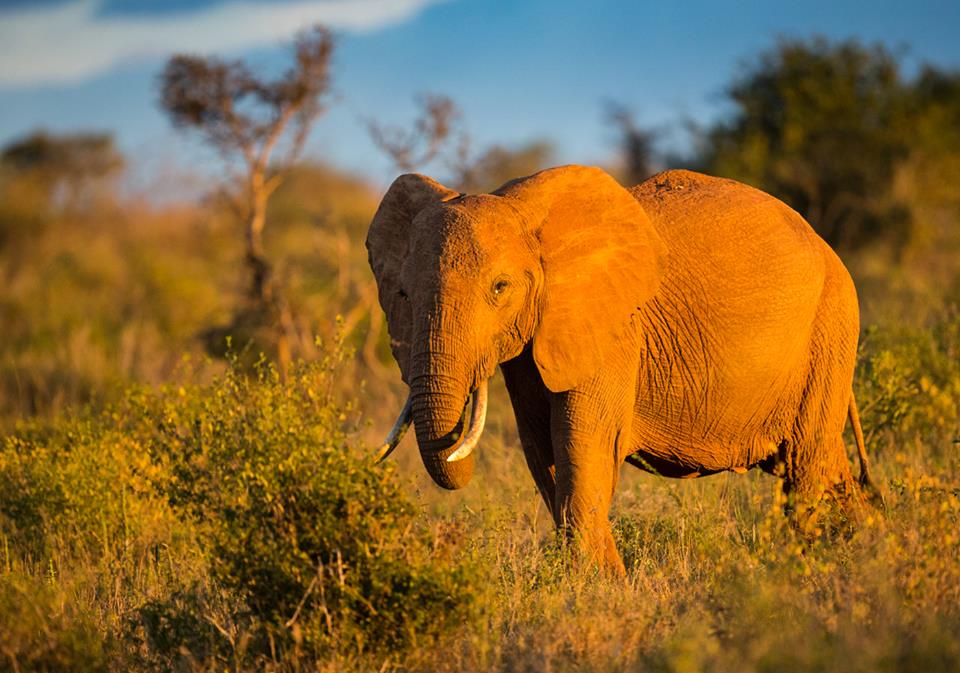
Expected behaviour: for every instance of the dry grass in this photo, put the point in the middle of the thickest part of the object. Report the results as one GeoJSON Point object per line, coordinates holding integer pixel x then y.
{"type": "Point", "coordinates": [717, 581]}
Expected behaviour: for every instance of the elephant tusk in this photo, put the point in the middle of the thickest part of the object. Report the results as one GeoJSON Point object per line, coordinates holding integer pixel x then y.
{"type": "Point", "coordinates": [397, 432]}
{"type": "Point", "coordinates": [477, 420]}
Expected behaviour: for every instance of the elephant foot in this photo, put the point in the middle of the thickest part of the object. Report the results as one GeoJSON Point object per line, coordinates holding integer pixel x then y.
{"type": "Point", "coordinates": [596, 550]}
{"type": "Point", "coordinates": [838, 511]}
{"type": "Point", "coordinates": [612, 563]}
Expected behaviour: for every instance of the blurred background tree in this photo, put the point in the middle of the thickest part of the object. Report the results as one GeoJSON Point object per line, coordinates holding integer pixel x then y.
{"type": "Point", "coordinates": [435, 126]}
{"type": "Point", "coordinates": [498, 163]}
{"type": "Point", "coordinates": [821, 125]}
{"type": "Point", "coordinates": [245, 117]}
{"type": "Point", "coordinates": [44, 174]}
{"type": "Point", "coordinates": [634, 143]}
{"type": "Point", "coordinates": [838, 132]}
{"type": "Point", "coordinates": [439, 135]}
{"type": "Point", "coordinates": [68, 166]}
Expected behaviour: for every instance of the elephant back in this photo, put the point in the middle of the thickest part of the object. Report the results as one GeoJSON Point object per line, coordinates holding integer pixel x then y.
{"type": "Point", "coordinates": [685, 204]}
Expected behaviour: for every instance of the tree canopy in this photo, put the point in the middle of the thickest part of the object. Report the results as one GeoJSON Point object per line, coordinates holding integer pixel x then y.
{"type": "Point", "coordinates": [823, 126]}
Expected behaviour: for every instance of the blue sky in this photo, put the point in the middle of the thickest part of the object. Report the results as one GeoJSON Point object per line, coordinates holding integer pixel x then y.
{"type": "Point", "coordinates": [518, 70]}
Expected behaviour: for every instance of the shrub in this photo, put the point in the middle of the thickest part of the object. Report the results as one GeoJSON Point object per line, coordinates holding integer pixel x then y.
{"type": "Point", "coordinates": [240, 512]}
{"type": "Point", "coordinates": [323, 546]}
{"type": "Point", "coordinates": [908, 384]}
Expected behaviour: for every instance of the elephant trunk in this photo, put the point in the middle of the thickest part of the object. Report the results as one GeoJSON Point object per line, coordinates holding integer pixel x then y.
{"type": "Point", "coordinates": [439, 409]}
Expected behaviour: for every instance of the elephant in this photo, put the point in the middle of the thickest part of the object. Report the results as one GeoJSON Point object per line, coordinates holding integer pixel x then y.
{"type": "Point", "coordinates": [688, 326]}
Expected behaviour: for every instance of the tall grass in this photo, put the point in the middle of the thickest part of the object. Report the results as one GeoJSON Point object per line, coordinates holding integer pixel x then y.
{"type": "Point", "coordinates": [239, 525]}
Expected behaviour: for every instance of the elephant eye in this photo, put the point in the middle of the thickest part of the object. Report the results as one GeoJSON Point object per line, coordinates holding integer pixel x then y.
{"type": "Point", "coordinates": [500, 286]}
{"type": "Point", "coordinates": [403, 294]}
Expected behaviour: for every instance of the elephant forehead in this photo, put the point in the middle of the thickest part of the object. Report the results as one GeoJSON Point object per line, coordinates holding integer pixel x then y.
{"type": "Point", "coordinates": [465, 235]}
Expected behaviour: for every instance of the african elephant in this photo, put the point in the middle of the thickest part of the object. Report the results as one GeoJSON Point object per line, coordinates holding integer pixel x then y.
{"type": "Point", "coordinates": [687, 326]}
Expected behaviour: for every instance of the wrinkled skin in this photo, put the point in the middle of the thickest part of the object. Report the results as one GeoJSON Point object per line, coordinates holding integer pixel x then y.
{"type": "Point", "coordinates": [688, 326]}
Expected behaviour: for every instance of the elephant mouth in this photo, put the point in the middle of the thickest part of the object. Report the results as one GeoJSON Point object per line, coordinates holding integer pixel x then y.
{"type": "Point", "coordinates": [443, 443]}
{"type": "Point", "coordinates": [462, 439]}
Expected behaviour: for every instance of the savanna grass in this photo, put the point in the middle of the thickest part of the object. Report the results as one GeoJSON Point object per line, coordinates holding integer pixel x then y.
{"type": "Point", "coordinates": [239, 525]}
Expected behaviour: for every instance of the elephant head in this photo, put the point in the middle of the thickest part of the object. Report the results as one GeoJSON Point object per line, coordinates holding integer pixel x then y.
{"type": "Point", "coordinates": [557, 261]}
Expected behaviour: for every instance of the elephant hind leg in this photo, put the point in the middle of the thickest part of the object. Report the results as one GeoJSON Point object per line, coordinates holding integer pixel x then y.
{"type": "Point", "coordinates": [817, 474]}
{"type": "Point", "coordinates": [821, 491]}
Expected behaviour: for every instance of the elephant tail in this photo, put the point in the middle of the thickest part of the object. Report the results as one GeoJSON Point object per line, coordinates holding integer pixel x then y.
{"type": "Point", "coordinates": [866, 482]}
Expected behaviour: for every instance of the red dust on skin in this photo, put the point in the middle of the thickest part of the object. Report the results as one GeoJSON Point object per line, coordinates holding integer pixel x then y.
{"type": "Point", "coordinates": [688, 326]}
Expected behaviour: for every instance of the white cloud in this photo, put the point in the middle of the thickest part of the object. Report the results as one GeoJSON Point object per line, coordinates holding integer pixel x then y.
{"type": "Point", "coordinates": [71, 42]}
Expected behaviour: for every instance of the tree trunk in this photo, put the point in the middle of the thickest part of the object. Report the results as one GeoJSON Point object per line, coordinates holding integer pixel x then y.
{"type": "Point", "coordinates": [263, 291]}
{"type": "Point", "coordinates": [260, 286]}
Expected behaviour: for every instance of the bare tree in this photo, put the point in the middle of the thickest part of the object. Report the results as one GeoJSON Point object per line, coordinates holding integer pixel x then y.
{"type": "Point", "coordinates": [432, 129]}
{"type": "Point", "coordinates": [636, 144]}
{"type": "Point", "coordinates": [246, 118]}
{"type": "Point", "coordinates": [498, 163]}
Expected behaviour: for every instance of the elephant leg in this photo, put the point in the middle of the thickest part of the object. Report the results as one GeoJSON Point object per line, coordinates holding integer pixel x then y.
{"type": "Point", "coordinates": [841, 494]}
{"type": "Point", "coordinates": [531, 407]}
{"type": "Point", "coordinates": [817, 470]}
{"type": "Point", "coordinates": [587, 468]}
{"type": "Point", "coordinates": [818, 482]}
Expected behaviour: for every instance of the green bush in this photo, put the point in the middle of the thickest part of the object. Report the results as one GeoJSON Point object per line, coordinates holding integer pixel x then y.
{"type": "Point", "coordinates": [908, 383]}
{"type": "Point", "coordinates": [320, 544]}
{"type": "Point", "coordinates": [234, 521]}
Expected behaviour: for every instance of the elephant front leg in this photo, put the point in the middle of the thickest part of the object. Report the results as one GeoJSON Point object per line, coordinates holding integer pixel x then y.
{"type": "Point", "coordinates": [531, 407]}
{"type": "Point", "coordinates": [587, 468]}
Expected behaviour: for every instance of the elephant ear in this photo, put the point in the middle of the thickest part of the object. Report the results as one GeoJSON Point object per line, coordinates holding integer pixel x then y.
{"type": "Point", "coordinates": [388, 241]}
{"type": "Point", "coordinates": [601, 262]}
